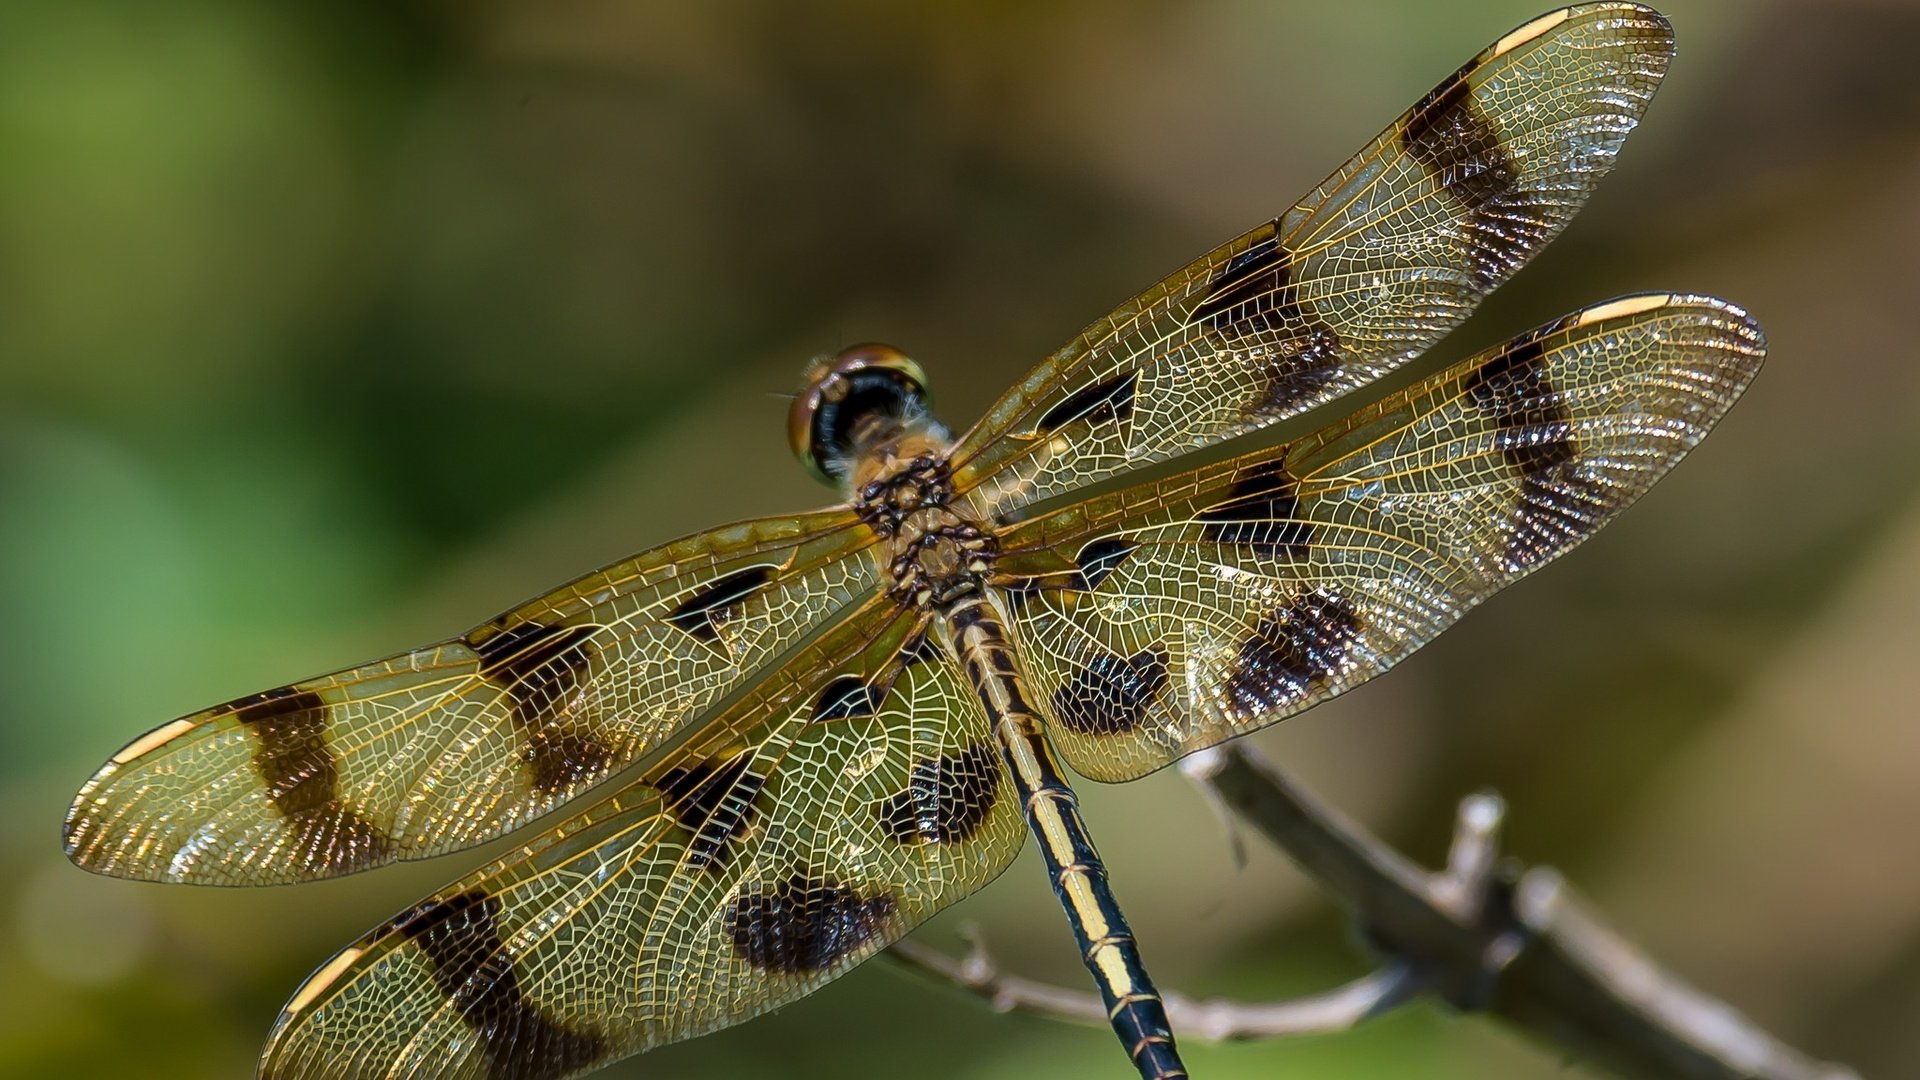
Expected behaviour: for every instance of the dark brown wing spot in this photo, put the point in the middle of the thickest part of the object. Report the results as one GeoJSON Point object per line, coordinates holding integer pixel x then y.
{"type": "Point", "coordinates": [1293, 652]}
{"type": "Point", "coordinates": [1096, 560]}
{"type": "Point", "coordinates": [542, 668]}
{"type": "Point", "coordinates": [1254, 301]}
{"type": "Point", "coordinates": [561, 760]}
{"type": "Point", "coordinates": [1111, 694]}
{"type": "Point", "coordinates": [1100, 557]}
{"type": "Point", "coordinates": [706, 611]}
{"type": "Point", "coordinates": [847, 698]}
{"type": "Point", "coordinates": [303, 779]}
{"type": "Point", "coordinates": [1557, 505]}
{"type": "Point", "coordinates": [474, 971]}
{"type": "Point", "coordinates": [1260, 512]}
{"type": "Point", "coordinates": [1298, 369]}
{"type": "Point", "coordinates": [1108, 401]}
{"type": "Point", "coordinates": [947, 798]}
{"type": "Point", "coordinates": [291, 752]}
{"type": "Point", "coordinates": [804, 925]}
{"type": "Point", "coordinates": [1448, 135]}
{"type": "Point", "coordinates": [714, 802]}
{"type": "Point", "coordinates": [1253, 289]}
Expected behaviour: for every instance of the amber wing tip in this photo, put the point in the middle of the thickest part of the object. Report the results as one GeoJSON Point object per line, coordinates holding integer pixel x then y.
{"type": "Point", "coordinates": [74, 831]}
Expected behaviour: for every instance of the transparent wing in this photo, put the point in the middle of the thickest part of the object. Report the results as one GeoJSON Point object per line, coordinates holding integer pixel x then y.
{"type": "Point", "coordinates": [1169, 616]}
{"type": "Point", "coordinates": [453, 744]}
{"type": "Point", "coordinates": [855, 794]}
{"type": "Point", "coordinates": [1372, 267]}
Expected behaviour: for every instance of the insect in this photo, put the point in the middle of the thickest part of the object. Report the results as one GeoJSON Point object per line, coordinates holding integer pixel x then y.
{"type": "Point", "coordinates": [795, 738]}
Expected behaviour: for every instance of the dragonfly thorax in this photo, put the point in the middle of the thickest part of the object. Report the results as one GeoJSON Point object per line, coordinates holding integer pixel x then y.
{"type": "Point", "coordinates": [862, 422]}
{"type": "Point", "coordinates": [934, 554]}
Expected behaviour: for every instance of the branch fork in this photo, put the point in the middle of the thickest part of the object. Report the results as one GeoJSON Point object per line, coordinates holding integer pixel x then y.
{"type": "Point", "coordinates": [1484, 933]}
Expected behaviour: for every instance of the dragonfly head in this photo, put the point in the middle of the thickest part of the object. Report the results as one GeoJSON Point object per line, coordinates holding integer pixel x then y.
{"type": "Point", "coordinates": [854, 401]}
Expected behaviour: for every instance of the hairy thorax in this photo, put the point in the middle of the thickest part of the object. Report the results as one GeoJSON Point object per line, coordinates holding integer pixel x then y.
{"type": "Point", "coordinates": [933, 551]}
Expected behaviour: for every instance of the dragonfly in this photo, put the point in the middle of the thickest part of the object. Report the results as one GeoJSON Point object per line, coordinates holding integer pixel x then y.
{"type": "Point", "coordinates": [784, 743]}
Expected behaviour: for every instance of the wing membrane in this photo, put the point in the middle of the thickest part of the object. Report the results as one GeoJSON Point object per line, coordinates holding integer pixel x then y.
{"type": "Point", "coordinates": [846, 802]}
{"type": "Point", "coordinates": [1372, 267]}
{"type": "Point", "coordinates": [453, 744]}
{"type": "Point", "coordinates": [1169, 616]}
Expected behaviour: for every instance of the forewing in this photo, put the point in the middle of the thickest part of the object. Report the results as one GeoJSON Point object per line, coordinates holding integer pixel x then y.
{"type": "Point", "coordinates": [453, 744]}
{"type": "Point", "coordinates": [1372, 267]}
{"type": "Point", "coordinates": [1169, 616]}
{"type": "Point", "coordinates": [856, 793]}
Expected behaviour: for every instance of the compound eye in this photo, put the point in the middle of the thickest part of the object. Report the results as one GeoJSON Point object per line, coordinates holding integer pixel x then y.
{"type": "Point", "coordinates": [840, 391]}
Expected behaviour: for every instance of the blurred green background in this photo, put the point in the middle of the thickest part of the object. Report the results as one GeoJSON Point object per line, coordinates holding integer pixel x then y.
{"type": "Point", "coordinates": [331, 328]}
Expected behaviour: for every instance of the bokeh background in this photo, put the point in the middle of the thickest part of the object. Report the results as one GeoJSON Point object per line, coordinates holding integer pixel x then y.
{"type": "Point", "coordinates": [329, 328]}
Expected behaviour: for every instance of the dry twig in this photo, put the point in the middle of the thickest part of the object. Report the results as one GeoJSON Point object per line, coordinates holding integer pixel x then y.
{"type": "Point", "coordinates": [1483, 934]}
